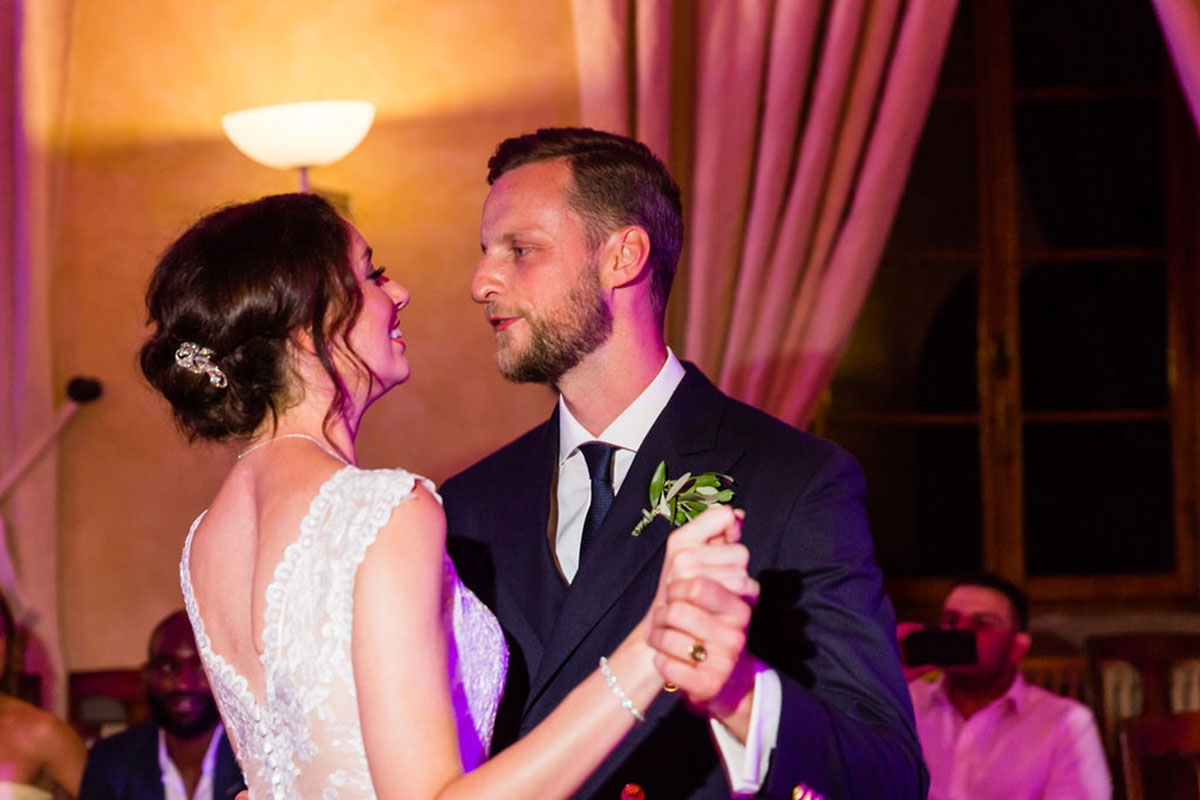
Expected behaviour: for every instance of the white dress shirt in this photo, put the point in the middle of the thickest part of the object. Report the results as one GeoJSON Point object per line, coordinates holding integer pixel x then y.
{"type": "Point", "coordinates": [173, 788]}
{"type": "Point", "coordinates": [1027, 744]}
{"type": "Point", "coordinates": [626, 433]}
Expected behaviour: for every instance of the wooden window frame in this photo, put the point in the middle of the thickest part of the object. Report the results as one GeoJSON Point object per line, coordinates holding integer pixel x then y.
{"type": "Point", "coordinates": [1001, 418]}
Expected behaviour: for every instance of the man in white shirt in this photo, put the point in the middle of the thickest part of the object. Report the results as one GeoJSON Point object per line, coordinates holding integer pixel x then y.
{"type": "Point", "coordinates": [985, 732]}
{"type": "Point", "coordinates": [182, 753]}
{"type": "Point", "coordinates": [581, 232]}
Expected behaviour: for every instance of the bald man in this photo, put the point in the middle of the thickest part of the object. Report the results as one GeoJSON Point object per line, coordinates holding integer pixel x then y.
{"type": "Point", "coordinates": [182, 753]}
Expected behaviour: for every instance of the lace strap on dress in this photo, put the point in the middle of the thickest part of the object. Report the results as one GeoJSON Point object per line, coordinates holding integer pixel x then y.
{"type": "Point", "coordinates": [239, 709]}
{"type": "Point", "coordinates": [382, 491]}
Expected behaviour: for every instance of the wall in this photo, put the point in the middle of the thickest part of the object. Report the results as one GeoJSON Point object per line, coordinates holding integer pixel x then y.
{"type": "Point", "coordinates": [143, 156]}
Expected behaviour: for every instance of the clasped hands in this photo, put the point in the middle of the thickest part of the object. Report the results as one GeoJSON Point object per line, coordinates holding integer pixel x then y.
{"type": "Point", "coordinates": [700, 616]}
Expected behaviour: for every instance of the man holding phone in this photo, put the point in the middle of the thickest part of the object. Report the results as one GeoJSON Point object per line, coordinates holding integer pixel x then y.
{"type": "Point", "coordinates": [984, 731]}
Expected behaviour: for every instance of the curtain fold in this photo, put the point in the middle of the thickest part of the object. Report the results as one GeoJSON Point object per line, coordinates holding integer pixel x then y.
{"type": "Point", "coordinates": [1180, 23]}
{"type": "Point", "coordinates": [34, 41]}
{"type": "Point", "coordinates": [792, 150]}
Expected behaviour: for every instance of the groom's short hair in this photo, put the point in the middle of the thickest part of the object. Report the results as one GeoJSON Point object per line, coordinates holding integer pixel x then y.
{"type": "Point", "coordinates": [617, 181]}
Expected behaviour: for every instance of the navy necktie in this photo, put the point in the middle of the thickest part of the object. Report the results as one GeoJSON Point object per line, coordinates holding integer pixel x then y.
{"type": "Point", "coordinates": [598, 456]}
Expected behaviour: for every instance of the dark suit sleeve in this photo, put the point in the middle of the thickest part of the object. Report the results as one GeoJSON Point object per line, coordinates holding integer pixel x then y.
{"type": "Point", "coordinates": [227, 777]}
{"type": "Point", "coordinates": [824, 623]}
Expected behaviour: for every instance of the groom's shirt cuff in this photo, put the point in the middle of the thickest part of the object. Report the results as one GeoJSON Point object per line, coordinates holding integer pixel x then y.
{"type": "Point", "coordinates": [746, 764]}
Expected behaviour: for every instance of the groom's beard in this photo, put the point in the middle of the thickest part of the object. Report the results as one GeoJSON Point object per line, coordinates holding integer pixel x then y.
{"type": "Point", "coordinates": [560, 338]}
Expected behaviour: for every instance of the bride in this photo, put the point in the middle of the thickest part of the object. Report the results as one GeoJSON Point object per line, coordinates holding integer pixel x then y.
{"type": "Point", "coordinates": [346, 657]}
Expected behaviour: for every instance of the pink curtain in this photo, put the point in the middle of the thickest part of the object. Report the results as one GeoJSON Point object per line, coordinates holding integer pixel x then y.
{"type": "Point", "coordinates": [791, 125]}
{"type": "Point", "coordinates": [28, 512]}
{"type": "Point", "coordinates": [1180, 21]}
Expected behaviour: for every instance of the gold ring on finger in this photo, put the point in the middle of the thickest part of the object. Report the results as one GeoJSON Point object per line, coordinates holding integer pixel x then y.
{"type": "Point", "coordinates": [697, 652]}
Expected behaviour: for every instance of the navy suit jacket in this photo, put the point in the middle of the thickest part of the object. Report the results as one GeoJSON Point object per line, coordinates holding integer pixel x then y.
{"type": "Point", "coordinates": [125, 767]}
{"type": "Point", "coordinates": [822, 621]}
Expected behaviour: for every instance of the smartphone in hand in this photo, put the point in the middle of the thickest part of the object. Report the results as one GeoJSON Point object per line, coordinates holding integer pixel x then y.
{"type": "Point", "coordinates": [940, 647]}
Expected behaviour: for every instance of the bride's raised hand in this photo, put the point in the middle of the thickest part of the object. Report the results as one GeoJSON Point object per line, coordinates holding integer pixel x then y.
{"type": "Point", "coordinates": [709, 545]}
{"type": "Point", "coordinates": [699, 621]}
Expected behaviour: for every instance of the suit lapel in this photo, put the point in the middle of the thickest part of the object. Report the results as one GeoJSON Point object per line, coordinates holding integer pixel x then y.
{"type": "Point", "coordinates": [522, 556]}
{"type": "Point", "coordinates": [143, 769]}
{"type": "Point", "coordinates": [226, 777]}
{"type": "Point", "coordinates": [685, 437]}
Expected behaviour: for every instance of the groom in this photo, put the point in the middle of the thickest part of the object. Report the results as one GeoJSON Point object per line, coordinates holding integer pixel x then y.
{"type": "Point", "coordinates": [581, 232]}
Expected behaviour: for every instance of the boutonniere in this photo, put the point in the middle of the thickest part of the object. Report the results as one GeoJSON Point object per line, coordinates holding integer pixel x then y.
{"type": "Point", "coordinates": [685, 497]}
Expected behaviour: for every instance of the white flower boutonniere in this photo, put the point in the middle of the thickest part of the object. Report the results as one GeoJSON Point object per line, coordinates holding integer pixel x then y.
{"type": "Point", "coordinates": [685, 497]}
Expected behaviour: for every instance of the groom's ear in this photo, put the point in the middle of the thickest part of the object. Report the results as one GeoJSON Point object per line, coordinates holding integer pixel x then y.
{"type": "Point", "coordinates": [625, 256]}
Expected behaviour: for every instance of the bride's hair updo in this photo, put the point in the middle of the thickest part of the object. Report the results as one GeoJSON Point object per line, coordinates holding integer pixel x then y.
{"type": "Point", "coordinates": [240, 283]}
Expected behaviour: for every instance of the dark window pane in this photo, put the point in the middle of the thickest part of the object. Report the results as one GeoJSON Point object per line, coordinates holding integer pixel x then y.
{"type": "Point", "coordinates": [1074, 43]}
{"type": "Point", "coordinates": [947, 379]}
{"type": "Point", "coordinates": [1094, 337]}
{"type": "Point", "coordinates": [922, 496]}
{"type": "Point", "coordinates": [1091, 174]}
{"type": "Point", "coordinates": [958, 64]}
{"type": "Point", "coordinates": [913, 345]}
{"type": "Point", "coordinates": [1098, 499]}
{"type": "Point", "coordinates": [939, 209]}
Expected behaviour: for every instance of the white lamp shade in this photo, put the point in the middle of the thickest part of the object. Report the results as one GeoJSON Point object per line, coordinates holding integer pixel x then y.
{"type": "Point", "coordinates": [300, 134]}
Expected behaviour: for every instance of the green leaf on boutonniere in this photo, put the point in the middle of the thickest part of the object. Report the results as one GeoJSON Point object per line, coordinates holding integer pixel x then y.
{"type": "Point", "coordinates": [685, 497]}
{"type": "Point", "coordinates": [656, 483]}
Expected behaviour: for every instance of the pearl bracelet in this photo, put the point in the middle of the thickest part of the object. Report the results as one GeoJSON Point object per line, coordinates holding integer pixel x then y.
{"type": "Point", "coordinates": [611, 681]}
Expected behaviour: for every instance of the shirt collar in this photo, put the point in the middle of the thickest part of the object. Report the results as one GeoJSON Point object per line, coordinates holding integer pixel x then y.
{"type": "Point", "coordinates": [1016, 697]}
{"type": "Point", "coordinates": [207, 766]}
{"type": "Point", "coordinates": [629, 429]}
{"type": "Point", "coordinates": [939, 693]}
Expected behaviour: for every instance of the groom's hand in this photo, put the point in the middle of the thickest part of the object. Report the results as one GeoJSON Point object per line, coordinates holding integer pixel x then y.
{"type": "Point", "coordinates": [700, 635]}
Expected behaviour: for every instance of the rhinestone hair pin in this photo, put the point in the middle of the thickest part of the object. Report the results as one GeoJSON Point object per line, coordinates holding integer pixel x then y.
{"type": "Point", "coordinates": [198, 361]}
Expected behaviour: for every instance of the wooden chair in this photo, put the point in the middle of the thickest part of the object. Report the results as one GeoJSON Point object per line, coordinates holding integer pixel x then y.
{"type": "Point", "coordinates": [1153, 662]}
{"type": "Point", "coordinates": [1160, 757]}
{"type": "Point", "coordinates": [1062, 675]}
{"type": "Point", "coordinates": [103, 702]}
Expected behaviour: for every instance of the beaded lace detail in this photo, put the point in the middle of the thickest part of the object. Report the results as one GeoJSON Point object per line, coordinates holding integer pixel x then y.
{"type": "Point", "coordinates": [304, 738]}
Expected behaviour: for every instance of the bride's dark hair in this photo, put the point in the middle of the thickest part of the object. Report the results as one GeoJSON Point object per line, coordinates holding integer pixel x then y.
{"type": "Point", "coordinates": [241, 282]}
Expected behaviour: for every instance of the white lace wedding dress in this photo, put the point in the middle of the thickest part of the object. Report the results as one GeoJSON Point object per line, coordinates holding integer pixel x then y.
{"type": "Point", "coordinates": [302, 738]}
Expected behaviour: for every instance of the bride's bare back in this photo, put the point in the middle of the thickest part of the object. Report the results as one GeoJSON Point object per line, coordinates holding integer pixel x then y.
{"type": "Point", "coordinates": [281, 657]}
{"type": "Point", "coordinates": [240, 541]}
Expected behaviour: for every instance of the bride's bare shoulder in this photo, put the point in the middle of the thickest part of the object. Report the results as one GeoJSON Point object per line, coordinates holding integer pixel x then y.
{"type": "Point", "coordinates": [418, 520]}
